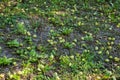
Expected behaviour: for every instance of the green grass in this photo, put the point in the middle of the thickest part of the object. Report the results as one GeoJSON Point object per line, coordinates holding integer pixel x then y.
{"type": "Point", "coordinates": [60, 40]}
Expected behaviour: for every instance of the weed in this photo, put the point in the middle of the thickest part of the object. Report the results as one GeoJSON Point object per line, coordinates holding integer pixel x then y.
{"type": "Point", "coordinates": [66, 30]}
{"type": "Point", "coordinates": [88, 37]}
{"type": "Point", "coordinates": [13, 43]}
{"type": "Point", "coordinates": [20, 28]}
{"type": "Point", "coordinates": [5, 61]}
{"type": "Point", "coordinates": [69, 45]}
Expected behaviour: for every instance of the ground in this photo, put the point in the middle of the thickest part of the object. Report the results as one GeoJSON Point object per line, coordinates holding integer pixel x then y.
{"type": "Point", "coordinates": [60, 40]}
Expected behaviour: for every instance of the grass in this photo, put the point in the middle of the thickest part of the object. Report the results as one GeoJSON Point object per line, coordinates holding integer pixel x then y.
{"type": "Point", "coordinates": [59, 40]}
